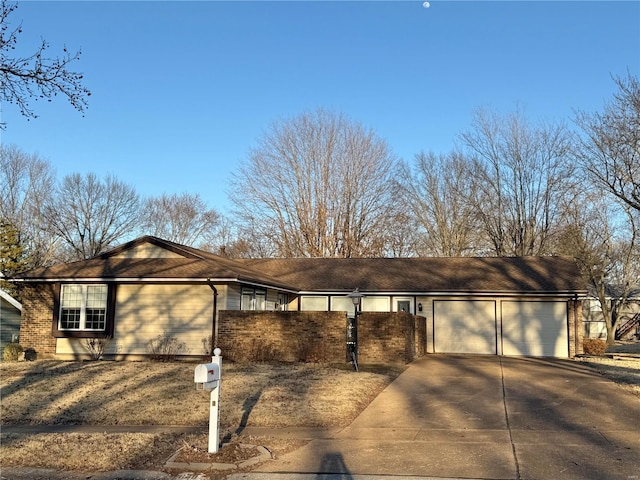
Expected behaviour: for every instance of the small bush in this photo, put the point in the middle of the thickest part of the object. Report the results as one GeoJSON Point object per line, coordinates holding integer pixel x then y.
{"type": "Point", "coordinates": [30, 354]}
{"type": "Point", "coordinates": [96, 347]}
{"type": "Point", "coordinates": [262, 351]}
{"type": "Point", "coordinates": [12, 352]}
{"type": "Point", "coordinates": [594, 346]}
{"type": "Point", "coordinates": [311, 351]}
{"type": "Point", "coordinates": [206, 346]}
{"type": "Point", "coordinates": [165, 348]}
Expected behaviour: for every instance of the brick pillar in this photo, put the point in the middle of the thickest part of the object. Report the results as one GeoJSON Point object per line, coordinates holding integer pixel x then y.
{"type": "Point", "coordinates": [576, 333]}
{"type": "Point", "coordinates": [577, 307]}
{"type": "Point", "coordinates": [37, 318]}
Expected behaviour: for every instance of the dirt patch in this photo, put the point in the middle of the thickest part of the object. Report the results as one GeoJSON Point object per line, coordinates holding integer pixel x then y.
{"type": "Point", "coordinates": [236, 450]}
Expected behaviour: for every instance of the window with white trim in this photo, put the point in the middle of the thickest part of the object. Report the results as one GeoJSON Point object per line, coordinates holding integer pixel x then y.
{"type": "Point", "coordinates": [283, 302]}
{"type": "Point", "coordinates": [314, 303]}
{"type": "Point", "coordinates": [83, 307]}
{"type": "Point", "coordinates": [253, 299]}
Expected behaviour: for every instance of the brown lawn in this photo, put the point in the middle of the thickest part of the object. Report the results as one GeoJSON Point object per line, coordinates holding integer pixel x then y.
{"type": "Point", "coordinates": [151, 393]}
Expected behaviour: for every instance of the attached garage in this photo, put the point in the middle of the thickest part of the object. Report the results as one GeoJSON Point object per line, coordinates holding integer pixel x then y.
{"type": "Point", "coordinates": [464, 326]}
{"type": "Point", "coordinates": [538, 328]}
{"type": "Point", "coordinates": [535, 328]}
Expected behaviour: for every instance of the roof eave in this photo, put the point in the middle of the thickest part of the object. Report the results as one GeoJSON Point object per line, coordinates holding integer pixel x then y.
{"type": "Point", "coordinates": [480, 293]}
{"type": "Point", "coordinates": [244, 281]}
{"type": "Point", "coordinates": [10, 299]}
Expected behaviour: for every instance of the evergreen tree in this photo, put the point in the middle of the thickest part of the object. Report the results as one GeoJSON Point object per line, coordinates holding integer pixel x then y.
{"type": "Point", "coordinates": [13, 257]}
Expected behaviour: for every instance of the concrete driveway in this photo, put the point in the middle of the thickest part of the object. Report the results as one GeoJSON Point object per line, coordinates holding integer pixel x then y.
{"type": "Point", "coordinates": [484, 417]}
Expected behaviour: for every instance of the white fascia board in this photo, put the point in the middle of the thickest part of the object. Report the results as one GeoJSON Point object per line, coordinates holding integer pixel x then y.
{"type": "Point", "coordinates": [157, 280]}
{"type": "Point", "coordinates": [509, 293]}
{"type": "Point", "coordinates": [265, 285]}
{"type": "Point", "coordinates": [125, 280]}
{"type": "Point", "coordinates": [11, 300]}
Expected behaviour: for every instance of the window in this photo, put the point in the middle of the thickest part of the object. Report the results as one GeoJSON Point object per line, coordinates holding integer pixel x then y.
{"type": "Point", "coordinates": [314, 303]}
{"type": "Point", "coordinates": [83, 307]}
{"type": "Point", "coordinates": [342, 304]}
{"type": "Point", "coordinates": [253, 299]}
{"type": "Point", "coordinates": [376, 304]}
{"type": "Point", "coordinates": [283, 302]}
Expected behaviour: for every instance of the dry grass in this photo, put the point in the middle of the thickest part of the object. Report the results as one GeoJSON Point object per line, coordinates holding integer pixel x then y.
{"type": "Point", "coordinates": [623, 369]}
{"type": "Point", "coordinates": [149, 393]}
{"type": "Point", "coordinates": [87, 452]}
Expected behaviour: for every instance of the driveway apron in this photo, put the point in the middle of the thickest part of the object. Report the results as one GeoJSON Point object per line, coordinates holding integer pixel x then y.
{"type": "Point", "coordinates": [485, 417]}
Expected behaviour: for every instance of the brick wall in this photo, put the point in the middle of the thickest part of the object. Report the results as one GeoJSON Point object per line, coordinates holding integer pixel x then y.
{"type": "Point", "coordinates": [284, 336]}
{"type": "Point", "coordinates": [576, 330]}
{"type": "Point", "coordinates": [421, 335]}
{"type": "Point", "coordinates": [37, 318]}
{"type": "Point", "coordinates": [300, 336]}
{"type": "Point", "coordinates": [385, 337]}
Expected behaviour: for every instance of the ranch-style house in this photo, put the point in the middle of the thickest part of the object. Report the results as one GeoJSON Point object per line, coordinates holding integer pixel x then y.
{"type": "Point", "coordinates": [150, 287]}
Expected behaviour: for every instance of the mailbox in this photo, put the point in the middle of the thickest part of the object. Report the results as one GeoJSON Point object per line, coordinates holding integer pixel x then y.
{"type": "Point", "coordinates": [207, 376]}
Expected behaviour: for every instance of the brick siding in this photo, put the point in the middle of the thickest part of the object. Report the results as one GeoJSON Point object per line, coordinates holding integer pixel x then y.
{"type": "Point", "coordinates": [37, 317]}
{"type": "Point", "coordinates": [321, 336]}
{"type": "Point", "coordinates": [576, 330]}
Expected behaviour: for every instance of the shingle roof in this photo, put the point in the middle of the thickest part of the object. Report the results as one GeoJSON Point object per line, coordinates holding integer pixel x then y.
{"type": "Point", "coordinates": [465, 274]}
{"type": "Point", "coordinates": [195, 264]}
{"type": "Point", "coordinates": [478, 274]}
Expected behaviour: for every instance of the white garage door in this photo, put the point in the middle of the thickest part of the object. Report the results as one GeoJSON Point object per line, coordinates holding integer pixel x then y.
{"type": "Point", "coordinates": [464, 326]}
{"type": "Point", "coordinates": [537, 329]}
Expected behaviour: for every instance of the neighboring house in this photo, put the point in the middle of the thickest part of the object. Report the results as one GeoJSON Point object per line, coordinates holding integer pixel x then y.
{"type": "Point", "coordinates": [10, 311]}
{"type": "Point", "coordinates": [150, 287]}
{"type": "Point", "coordinates": [628, 325]}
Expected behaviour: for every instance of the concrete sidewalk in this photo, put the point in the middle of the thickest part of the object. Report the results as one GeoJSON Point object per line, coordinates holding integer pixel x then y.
{"type": "Point", "coordinates": [463, 417]}
{"type": "Point", "coordinates": [481, 418]}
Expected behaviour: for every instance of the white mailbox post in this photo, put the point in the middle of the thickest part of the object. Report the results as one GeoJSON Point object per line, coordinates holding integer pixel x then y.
{"type": "Point", "coordinates": [207, 377]}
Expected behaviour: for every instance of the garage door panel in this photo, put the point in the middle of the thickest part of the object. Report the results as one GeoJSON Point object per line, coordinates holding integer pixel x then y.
{"type": "Point", "coordinates": [465, 326]}
{"type": "Point", "coordinates": [536, 329]}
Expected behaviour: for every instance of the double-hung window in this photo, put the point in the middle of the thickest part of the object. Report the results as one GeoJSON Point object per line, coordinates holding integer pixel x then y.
{"type": "Point", "coordinates": [83, 307]}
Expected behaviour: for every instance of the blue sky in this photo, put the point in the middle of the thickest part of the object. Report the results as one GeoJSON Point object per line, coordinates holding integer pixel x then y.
{"type": "Point", "coordinates": [182, 90]}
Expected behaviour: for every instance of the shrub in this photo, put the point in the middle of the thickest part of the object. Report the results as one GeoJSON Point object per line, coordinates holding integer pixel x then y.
{"type": "Point", "coordinates": [165, 348]}
{"type": "Point", "coordinates": [594, 346]}
{"type": "Point", "coordinates": [262, 351]}
{"type": "Point", "coordinates": [96, 347]}
{"type": "Point", "coordinates": [30, 354]}
{"type": "Point", "coordinates": [206, 346]}
{"type": "Point", "coordinates": [12, 352]}
{"type": "Point", "coordinates": [311, 351]}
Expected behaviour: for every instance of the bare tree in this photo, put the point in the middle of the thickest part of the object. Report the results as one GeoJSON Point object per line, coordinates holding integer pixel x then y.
{"type": "Point", "coordinates": [90, 215]}
{"type": "Point", "coordinates": [440, 199]}
{"type": "Point", "coordinates": [609, 153]}
{"type": "Point", "coordinates": [318, 185]}
{"type": "Point", "coordinates": [524, 175]}
{"type": "Point", "coordinates": [27, 182]}
{"type": "Point", "coordinates": [610, 150]}
{"type": "Point", "coordinates": [38, 75]}
{"type": "Point", "coordinates": [240, 241]}
{"type": "Point", "coordinates": [182, 218]}
{"type": "Point", "coordinates": [603, 239]}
